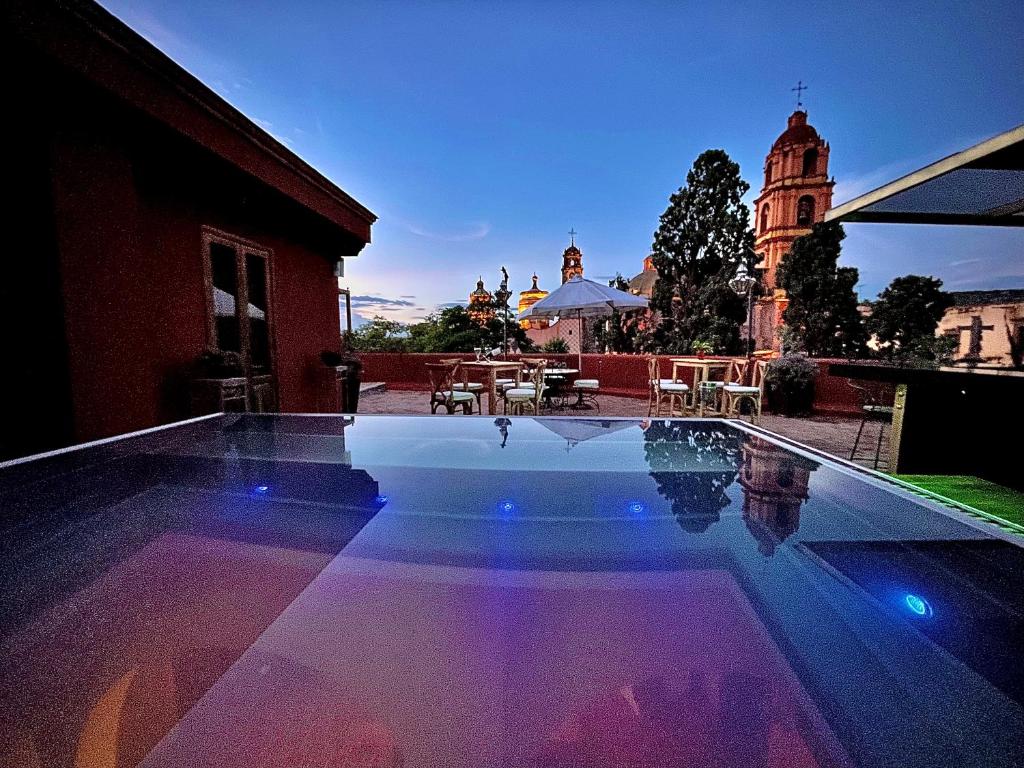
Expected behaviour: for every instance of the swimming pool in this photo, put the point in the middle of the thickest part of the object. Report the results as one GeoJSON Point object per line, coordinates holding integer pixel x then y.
{"type": "Point", "coordinates": [423, 591]}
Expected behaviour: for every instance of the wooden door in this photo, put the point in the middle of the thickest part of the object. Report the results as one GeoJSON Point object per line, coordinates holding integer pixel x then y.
{"type": "Point", "coordinates": [239, 310]}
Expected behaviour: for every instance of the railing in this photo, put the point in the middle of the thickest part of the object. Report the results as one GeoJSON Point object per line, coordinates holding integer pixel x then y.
{"type": "Point", "coordinates": [624, 375]}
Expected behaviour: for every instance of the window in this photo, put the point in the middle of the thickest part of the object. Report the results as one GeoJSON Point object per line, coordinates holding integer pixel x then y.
{"type": "Point", "coordinates": [238, 299]}
{"type": "Point", "coordinates": [805, 211]}
{"type": "Point", "coordinates": [810, 162]}
{"type": "Point", "coordinates": [768, 173]}
{"type": "Point", "coordinates": [764, 218]}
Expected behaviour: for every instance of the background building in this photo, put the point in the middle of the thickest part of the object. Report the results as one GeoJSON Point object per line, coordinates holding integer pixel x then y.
{"type": "Point", "coordinates": [796, 193]}
{"type": "Point", "coordinates": [572, 261]}
{"type": "Point", "coordinates": [481, 304]}
{"type": "Point", "coordinates": [643, 284]}
{"type": "Point", "coordinates": [527, 299]}
{"type": "Point", "coordinates": [988, 327]}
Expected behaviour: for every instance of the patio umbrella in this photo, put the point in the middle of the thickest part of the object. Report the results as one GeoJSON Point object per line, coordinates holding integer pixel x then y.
{"type": "Point", "coordinates": [575, 431]}
{"type": "Point", "coordinates": [583, 298]}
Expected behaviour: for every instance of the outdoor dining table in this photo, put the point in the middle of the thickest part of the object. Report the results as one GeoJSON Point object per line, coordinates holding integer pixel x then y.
{"type": "Point", "coordinates": [701, 372]}
{"type": "Point", "coordinates": [491, 368]}
{"type": "Point", "coordinates": [553, 390]}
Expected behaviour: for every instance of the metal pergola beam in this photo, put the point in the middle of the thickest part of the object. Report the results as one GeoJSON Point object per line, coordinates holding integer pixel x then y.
{"type": "Point", "coordinates": [983, 155]}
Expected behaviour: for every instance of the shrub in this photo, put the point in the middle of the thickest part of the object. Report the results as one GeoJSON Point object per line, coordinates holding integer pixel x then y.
{"type": "Point", "coordinates": [789, 384]}
{"type": "Point", "coordinates": [555, 346]}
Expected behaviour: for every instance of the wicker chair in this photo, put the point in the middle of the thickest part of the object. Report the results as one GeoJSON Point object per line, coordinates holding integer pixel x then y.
{"type": "Point", "coordinates": [664, 392]}
{"type": "Point", "coordinates": [735, 394]}
{"type": "Point", "coordinates": [442, 392]}
{"type": "Point", "coordinates": [528, 394]}
{"type": "Point", "coordinates": [473, 387]}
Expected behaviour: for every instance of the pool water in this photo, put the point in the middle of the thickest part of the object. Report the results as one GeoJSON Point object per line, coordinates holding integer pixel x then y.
{"type": "Point", "coordinates": [416, 591]}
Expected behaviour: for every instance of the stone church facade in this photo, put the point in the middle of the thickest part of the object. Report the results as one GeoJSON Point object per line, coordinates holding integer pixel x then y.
{"type": "Point", "coordinates": [796, 193]}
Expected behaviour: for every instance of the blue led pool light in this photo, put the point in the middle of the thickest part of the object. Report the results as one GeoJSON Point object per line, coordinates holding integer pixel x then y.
{"type": "Point", "coordinates": [507, 507]}
{"type": "Point", "coordinates": [918, 605]}
{"type": "Point", "coordinates": [382, 499]}
{"type": "Point", "coordinates": [261, 489]}
{"type": "Point", "coordinates": [636, 507]}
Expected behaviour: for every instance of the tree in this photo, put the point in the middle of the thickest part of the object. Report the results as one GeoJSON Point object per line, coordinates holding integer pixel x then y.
{"type": "Point", "coordinates": [555, 346]}
{"type": "Point", "coordinates": [380, 335]}
{"type": "Point", "coordinates": [703, 236]}
{"type": "Point", "coordinates": [904, 318]}
{"type": "Point", "coordinates": [453, 330]}
{"type": "Point", "coordinates": [822, 314]}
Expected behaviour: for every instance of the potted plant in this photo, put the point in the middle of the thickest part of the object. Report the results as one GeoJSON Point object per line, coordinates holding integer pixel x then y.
{"type": "Point", "coordinates": [353, 371]}
{"type": "Point", "coordinates": [789, 384]}
{"type": "Point", "coordinates": [702, 348]}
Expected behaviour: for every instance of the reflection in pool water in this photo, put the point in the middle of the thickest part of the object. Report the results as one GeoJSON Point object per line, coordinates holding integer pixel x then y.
{"type": "Point", "coordinates": [290, 591]}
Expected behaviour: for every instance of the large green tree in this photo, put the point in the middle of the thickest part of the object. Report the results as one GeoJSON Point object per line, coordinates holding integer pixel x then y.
{"type": "Point", "coordinates": [904, 318]}
{"type": "Point", "coordinates": [453, 330]}
{"type": "Point", "coordinates": [380, 335]}
{"type": "Point", "coordinates": [703, 236]}
{"type": "Point", "coordinates": [822, 315]}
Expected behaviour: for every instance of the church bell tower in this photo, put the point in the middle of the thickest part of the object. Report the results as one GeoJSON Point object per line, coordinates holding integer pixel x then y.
{"type": "Point", "coordinates": [572, 259]}
{"type": "Point", "coordinates": [796, 193]}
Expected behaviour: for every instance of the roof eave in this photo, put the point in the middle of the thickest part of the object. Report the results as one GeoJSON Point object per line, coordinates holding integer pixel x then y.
{"type": "Point", "coordinates": [99, 46]}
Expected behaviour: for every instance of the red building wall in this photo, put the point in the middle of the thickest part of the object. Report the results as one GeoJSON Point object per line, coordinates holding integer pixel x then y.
{"type": "Point", "coordinates": [624, 375]}
{"type": "Point", "coordinates": [130, 198]}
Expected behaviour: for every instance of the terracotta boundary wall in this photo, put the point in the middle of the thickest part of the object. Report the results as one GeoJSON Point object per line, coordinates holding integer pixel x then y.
{"type": "Point", "coordinates": [623, 375]}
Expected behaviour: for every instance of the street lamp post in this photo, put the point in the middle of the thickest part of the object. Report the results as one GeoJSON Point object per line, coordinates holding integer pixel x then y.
{"type": "Point", "coordinates": [742, 284]}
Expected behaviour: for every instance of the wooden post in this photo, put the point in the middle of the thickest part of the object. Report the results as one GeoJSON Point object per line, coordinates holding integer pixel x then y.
{"type": "Point", "coordinates": [899, 406]}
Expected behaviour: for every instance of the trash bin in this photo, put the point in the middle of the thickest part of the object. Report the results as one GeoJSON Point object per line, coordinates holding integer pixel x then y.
{"type": "Point", "coordinates": [353, 376]}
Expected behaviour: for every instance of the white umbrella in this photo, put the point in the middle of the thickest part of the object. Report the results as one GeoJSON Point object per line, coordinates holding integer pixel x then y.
{"type": "Point", "coordinates": [583, 298]}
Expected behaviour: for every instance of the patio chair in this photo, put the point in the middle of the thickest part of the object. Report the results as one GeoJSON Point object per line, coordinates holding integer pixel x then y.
{"type": "Point", "coordinates": [443, 394]}
{"type": "Point", "coordinates": [586, 392]}
{"type": "Point", "coordinates": [528, 394]}
{"type": "Point", "coordinates": [873, 406]}
{"type": "Point", "coordinates": [734, 395]}
{"type": "Point", "coordinates": [473, 387]}
{"type": "Point", "coordinates": [664, 392]}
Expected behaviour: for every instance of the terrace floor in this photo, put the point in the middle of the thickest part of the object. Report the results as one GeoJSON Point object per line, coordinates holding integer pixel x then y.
{"type": "Point", "coordinates": [832, 434]}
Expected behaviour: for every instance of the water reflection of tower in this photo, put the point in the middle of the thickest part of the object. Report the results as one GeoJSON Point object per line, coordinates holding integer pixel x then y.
{"type": "Point", "coordinates": [774, 482]}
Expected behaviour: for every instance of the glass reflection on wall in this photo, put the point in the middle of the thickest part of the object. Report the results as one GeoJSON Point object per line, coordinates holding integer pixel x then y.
{"type": "Point", "coordinates": [224, 271]}
{"type": "Point", "coordinates": [258, 309]}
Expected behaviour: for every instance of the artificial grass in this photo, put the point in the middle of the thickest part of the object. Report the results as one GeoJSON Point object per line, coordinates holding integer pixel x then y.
{"type": "Point", "coordinates": [994, 499]}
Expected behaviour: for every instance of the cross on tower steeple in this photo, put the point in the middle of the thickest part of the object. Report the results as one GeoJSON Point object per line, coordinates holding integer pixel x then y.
{"type": "Point", "coordinates": [572, 236]}
{"type": "Point", "coordinates": [800, 88]}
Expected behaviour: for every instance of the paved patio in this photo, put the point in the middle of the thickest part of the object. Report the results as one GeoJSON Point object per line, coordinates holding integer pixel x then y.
{"type": "Point", "coordinates": [832, 434]}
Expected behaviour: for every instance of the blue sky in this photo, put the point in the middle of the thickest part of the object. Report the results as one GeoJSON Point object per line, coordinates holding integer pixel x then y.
{"type": "Point", "coordinates": [481, 132]}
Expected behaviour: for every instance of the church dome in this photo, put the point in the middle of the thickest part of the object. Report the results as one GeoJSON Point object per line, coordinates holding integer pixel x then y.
{"type": "Point", "coordinates": [798, 131]}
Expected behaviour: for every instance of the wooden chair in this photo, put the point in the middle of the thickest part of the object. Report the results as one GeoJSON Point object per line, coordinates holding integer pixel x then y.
{"type": "Point", "coordinates": [586, 392]}
{"type": "Point", "coordinates": [664, 392]}
{"type": "Point", "coordinates": [442, 392]}
{"type": "Point", "coordinates": [473, 387]}
{"type": "Point", "coordinates": [735, 394]}
{"type": "Point", "coordinates": [528, 394]}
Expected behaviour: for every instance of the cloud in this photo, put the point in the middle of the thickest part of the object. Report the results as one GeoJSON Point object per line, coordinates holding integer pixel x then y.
{"type": "Point", "coordinates": [367, 301]}
{"type": "Point", "coordinates": [965, 262]}
{"type": "Point", "coordinates": [477, 231]}
{"type": "Point", "coordinates": [406, 296]}
{"type": "Point", "coordinates": [450, 304]}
